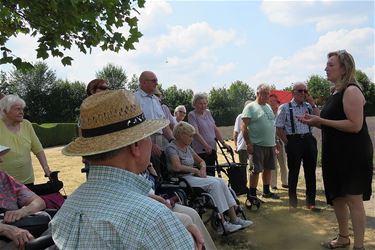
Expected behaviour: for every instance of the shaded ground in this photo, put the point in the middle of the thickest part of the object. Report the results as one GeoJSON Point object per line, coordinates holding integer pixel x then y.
{"type": "Point", "coordinates": [275, 228]}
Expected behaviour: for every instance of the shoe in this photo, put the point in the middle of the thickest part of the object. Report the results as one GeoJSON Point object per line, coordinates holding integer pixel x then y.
{"type": "Point", "coordinates": [275, 188]}
{"type": "Point", "coordinates": [242, 223]}
{"type": "Point", "coordinates": [313, 208]}
{"type": "Point", "coordinates": [333, 244]}
{"type": "Point", "coordinates": [271, 195]}
{"type": "Point", "coordinates": [229, 228]}
{"type": "Point", "coordinates": [285, 186]}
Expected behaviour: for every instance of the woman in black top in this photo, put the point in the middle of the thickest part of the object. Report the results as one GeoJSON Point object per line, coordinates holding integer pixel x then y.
{"type": "Point", "coordinates": [347, 150]}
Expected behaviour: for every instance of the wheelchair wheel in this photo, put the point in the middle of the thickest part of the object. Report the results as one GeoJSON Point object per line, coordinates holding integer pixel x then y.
{"type": "Point", "coordinates": [253, 203]}
{"type": "Point", "coordinates": [215, 221]}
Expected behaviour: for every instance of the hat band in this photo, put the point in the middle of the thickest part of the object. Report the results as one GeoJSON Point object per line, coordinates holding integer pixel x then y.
{"type": "Point", "coordinates": [107, 129]}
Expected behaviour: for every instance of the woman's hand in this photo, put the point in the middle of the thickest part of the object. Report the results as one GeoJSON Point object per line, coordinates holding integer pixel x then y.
{"type": "Point", "coordinates": [208, 149]}
{"type": "Point", "coordinates": [17, 235]}
{"type": "Point", "coordinates": [14, 215]}
{"type": "Point", "coordinates": [312, 120]}
{"type": "Point", "coordinates": [202, 171]}
{"type": "Point", "coordinates": [229, 148]}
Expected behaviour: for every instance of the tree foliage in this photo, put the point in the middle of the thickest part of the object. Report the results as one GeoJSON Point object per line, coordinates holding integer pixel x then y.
{"type": "Point", "coordinates": [319, 89]}
{"type": "Point", "coordinates": [61, 24]}
{"type": "Point", "coordinates": [173, 97]}
{"type": "Point", "coordinates": [115, 75]}
{"type": "Point", "coordinates": [133, 84]}
{"type": "Point", "coordinates": [368, 92]}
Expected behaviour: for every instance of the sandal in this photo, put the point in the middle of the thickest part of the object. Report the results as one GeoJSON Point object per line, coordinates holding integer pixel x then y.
{"type": "Point", "coordinates": [331, 245]}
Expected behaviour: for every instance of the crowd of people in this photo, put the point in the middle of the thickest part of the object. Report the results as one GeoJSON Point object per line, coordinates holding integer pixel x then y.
{"type": "Point", "coordinates": [121, 133]}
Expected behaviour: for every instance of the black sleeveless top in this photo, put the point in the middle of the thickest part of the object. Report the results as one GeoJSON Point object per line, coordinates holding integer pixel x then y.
{"type": "Point", "coordinates": [346, 157]}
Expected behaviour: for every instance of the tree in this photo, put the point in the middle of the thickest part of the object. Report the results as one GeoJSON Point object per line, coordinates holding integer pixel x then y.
{"type": "Point", "coordinates": [115, 75]}
{"type": "Point", "coordinates": [368, 89]}
{"type": "Point", "coordinates": [133, 84]}
{"type": "Point", "coordinates": [238, 93]}
{"type": "Point", "coordinates": [221, 107]}
{"type": "Point", "coordinates": [64, 101]}
{"type": "Point", "coordinates": [59, 24]}
{"type": "Point", "coordinates": [319, 89]}
{"type": "Point", "coordinates": [173, 97]}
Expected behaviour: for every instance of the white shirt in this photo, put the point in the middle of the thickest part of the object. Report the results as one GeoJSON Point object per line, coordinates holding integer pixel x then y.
{"type": "Point", "coordinates": [241, 144]}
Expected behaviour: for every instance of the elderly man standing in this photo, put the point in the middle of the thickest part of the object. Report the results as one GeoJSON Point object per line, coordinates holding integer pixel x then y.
{"type": "Point", "coordinates": [300, 144]}
{"type": "Point", "coordinates": [152, 109]}
{"type": "Point", "coordinates": [112, 209]}
{"type": "Point", "coordinates": [258, 130]}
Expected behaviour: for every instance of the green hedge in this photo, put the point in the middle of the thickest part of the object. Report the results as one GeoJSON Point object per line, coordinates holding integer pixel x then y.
{"type": "Point", "coordinates": [55, 134]}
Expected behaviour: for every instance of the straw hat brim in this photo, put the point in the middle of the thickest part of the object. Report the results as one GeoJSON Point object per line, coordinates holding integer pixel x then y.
{"type": "Point", "coordinates": [112, 141]}
{"type": "Point", "coordinates": [3, 150]}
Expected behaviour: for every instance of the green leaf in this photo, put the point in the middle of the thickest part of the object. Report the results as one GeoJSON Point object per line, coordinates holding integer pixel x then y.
{"type": "Point", "coordinates": [67, 60]}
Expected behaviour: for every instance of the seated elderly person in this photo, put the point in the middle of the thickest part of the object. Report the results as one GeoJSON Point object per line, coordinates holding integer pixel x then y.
{"type": "Point", "coordinates": [182, 159]}
{"type": "Point", "coordinates": [18, 202]}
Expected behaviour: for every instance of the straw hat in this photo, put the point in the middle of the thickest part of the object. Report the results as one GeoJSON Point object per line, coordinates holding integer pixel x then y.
{"type": "Point", "coordinates": [111, 120]}
{"type": "Point", "coordinates": [3, 150]}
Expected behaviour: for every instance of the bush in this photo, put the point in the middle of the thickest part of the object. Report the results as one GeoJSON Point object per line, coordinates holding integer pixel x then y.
{"type": "Point", "coordinates": [55, 134]}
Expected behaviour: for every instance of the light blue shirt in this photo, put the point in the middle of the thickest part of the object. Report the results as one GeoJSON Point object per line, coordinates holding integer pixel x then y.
{"type": "Point", "coordinates": [112, 211]}
{"type": "Point", "coordinates": [261, 129]}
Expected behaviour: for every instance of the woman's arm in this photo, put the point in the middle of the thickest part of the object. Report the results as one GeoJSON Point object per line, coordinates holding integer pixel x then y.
{"type": "Point", "coordinates": [178, 167]}
{"type": "Point", "coordinates": [197, 135]}
{"type": "Point", "coordinates": [43, 162]}
{"type": "Point", "coordinates": [17, 235]}
{"type": "Point", "coordinates": [219, 137]}
{"type": "Point", "coordinates": [35, 204]}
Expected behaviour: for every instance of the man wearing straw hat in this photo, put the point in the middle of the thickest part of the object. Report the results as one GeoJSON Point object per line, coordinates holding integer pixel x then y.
{"type": "Point", "coordinates": [111, 210]}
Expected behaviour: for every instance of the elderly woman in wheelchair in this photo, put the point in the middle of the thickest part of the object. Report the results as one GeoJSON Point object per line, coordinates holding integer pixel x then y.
{"type": "Point", "coordinates": [182, 159]}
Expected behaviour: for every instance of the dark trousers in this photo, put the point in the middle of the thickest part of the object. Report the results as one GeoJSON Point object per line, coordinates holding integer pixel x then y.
{"type": "Point", "coordinates": [302, 148]}
{"type": "Point", "coordinates": [210, 160]}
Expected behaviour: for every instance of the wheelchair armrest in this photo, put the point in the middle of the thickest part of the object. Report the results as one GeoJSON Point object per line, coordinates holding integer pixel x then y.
{"type": "Point", "coordinates": [40, 243]}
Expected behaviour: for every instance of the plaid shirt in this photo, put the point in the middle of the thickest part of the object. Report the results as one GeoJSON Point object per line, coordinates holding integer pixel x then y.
{"type": "Point", "coordinates": [283, 118]}
{"type": "Point", "coordinates": [112, 211]}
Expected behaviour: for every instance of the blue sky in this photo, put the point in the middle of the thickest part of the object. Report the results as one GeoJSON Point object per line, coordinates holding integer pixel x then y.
{"type": "Point", "coordinates": [204, 44]}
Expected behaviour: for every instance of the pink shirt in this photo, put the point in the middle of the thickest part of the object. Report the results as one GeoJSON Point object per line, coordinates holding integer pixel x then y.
{"type": "Point", "coordinates": [13, 194]}
{"type": "Point", "coordinates": [205, 126]}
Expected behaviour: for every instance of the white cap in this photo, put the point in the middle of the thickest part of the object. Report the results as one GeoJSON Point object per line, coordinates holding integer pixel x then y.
{"type": "Point", "coordinates": [3, 150]}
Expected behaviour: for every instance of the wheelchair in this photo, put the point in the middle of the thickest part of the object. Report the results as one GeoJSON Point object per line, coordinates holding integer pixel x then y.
{"type": "Point", "coordinates": [194, 197]}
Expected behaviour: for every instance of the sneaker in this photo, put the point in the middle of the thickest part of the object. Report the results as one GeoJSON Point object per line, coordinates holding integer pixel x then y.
{"type": "Point", "coordinates": [313, 208]}
{"type": "Point", "coordinates": [229, 228]}
{"type": "Point", "coordinates": [243, 223]}
{"type": "Point", "coordinates": [274, 188]}
{"type": "Point", "coordinates": [285, 186]}
{"type": "Point", "coordinates": [271, 195]}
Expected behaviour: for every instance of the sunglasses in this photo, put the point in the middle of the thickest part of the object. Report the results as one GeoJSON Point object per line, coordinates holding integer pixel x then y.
{"type": "Point", "coordinates": [153, 80]}
{"type": "Point", "coordinates": [182, 112]}
{"type": "Point", "coordinates": [302, 91]}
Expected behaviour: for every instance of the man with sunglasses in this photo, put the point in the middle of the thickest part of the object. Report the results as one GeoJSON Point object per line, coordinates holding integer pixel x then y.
{"type": "Point", "coordinates": [300, 144]}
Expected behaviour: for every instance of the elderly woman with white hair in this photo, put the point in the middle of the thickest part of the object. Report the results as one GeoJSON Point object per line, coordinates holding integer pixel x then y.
{"type": "Point", "coordinates": [179, 113]}
{"type": "Point", "coordinates": [182, 159]}
{"type": "Point", "coordinates": [206, 132]}
{"type": "Point", "coordinates": [18, 134]}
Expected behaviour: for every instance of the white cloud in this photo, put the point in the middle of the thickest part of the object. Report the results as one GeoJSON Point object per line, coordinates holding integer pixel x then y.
{"type": "Point", "coordinates": [325, 15]}
{"type": "Point", "coordinates": [153, 14]}
{"type": "Point", "coordinates": [312, 59]}
{"type": "Point", "coordinates": [225, 68]}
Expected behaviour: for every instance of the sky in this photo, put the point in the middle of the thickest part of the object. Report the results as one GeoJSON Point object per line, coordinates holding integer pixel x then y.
{"type": "Point", "coordinates": [199, 45]}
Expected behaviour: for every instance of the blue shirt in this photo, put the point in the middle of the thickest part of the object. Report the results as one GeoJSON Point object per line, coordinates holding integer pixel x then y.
{"type": "Point", "coordinates": [112, 211]}
{"type": "Point", "coordinates": [283, 118]}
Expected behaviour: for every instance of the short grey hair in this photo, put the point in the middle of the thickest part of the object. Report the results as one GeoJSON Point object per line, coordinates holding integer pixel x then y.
{"type": "Point", "coordinates": [263, 87]}
{"type": "Point", "coordinates": [182, 128]}
{"type": "Point", "coordinates": [8, 101]}
{"type": "Point", "coordinates": [296, 84]}
{"type": "Point", "coordinates": [180, 108]}
{"type": "Point", "coordinates": [197, 97]}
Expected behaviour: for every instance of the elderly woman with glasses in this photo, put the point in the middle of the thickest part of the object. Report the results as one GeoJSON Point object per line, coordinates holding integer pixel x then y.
{"type": "Point", "coordinates": [206, 132]}
{"type": "Point", "coordinates": [179, 113]}
{"type": "Point", "coordinates": [96, 86]}
{"type": "Point", "coordinates": [184, 162]}
{"type": "Point", "coordinates": [347, 151]}
{"type": "Point", "coordinates": [18, 134]}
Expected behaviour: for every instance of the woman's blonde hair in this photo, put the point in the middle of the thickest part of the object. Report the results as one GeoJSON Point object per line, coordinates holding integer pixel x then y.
{"type": "Point", "coordinates": [346, 60]}
{"type": "Point", "coordinates": [182, 128]}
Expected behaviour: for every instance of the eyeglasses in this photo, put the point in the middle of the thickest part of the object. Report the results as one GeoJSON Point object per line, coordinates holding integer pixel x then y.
{"type": "Point", "coordinates": [182, 112]}
{"type": "Point", "coordinates": [302, 91]}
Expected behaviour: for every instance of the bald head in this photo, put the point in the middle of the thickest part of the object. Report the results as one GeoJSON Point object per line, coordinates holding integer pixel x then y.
{"type": "Point", "coordinates": [148, 82]}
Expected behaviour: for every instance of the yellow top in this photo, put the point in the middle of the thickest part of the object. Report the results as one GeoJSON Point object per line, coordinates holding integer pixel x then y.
{"type": "Point", "coordinates": [17, 162]}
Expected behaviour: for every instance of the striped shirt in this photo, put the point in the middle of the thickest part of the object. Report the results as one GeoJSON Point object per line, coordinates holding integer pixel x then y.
{"type": "Point", "coordinates": [283, 118]}
{"type": "Point", "coordinates": [112, 211]}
